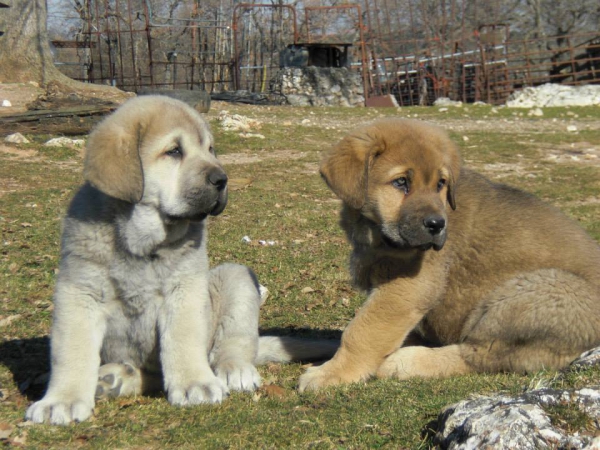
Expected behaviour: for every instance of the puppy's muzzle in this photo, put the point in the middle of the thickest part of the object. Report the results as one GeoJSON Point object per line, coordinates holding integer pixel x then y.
{"type": "Point", "coordinates": [422, 233]}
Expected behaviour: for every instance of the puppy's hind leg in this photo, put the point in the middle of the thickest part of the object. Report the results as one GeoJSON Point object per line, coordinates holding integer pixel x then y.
{"type": "Point", "coordinates": [425, 362]}
{"type": "Point", "coordinates": [236, 301]}
{"type": "Point", "coordinates": [121, 380]}
{"type": "Point", "coordinates": [538, 320]}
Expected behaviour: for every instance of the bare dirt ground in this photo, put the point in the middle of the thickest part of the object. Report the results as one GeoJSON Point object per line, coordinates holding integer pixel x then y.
{"type": "Point", "coordinates": [574, 153]}
{"type": "Point", "coordinates": [18, 94]}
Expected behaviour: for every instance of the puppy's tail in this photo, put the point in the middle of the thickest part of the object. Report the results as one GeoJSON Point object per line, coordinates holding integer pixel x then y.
{"type": "Point", "coordinates": [287, 349]}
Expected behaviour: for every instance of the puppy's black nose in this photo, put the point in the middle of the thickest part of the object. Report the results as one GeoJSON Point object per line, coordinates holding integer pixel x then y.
{"type": "Point", "coordinates": [218, 178]}
{"type": "Point", "coordinates": [434, 224]}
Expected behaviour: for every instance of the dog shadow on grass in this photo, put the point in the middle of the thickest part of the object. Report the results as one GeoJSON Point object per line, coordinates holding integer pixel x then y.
{"type": "Point", "coordinates": [28, 360]}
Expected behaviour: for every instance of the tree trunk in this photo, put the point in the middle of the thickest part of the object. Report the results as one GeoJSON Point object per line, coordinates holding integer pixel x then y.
{"type": "Point", "coordinates": [25, 52]}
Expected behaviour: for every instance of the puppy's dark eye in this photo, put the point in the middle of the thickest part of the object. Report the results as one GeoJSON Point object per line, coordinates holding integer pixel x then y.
{"type": "Point", "coordinates": [212, 151]}
{"type": "Point", "coordinates": [441, 184]}
{"type": "Point", "coordinates": [175, 152]}
{"type": "Point", "coordinates": [401, 183]}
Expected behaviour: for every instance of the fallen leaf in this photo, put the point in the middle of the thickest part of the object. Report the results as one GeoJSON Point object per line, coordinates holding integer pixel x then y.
{"type": "Point", "coordinates": [313, 305]}
{"type": "Point", "coordinates": [127, 402]}
{"type": "Point", "coordinates": [5, 430]}
{"type": "Point", "coordinates": [273, 368]}
{"type": "Point", "coordinates": [20, 440]}
{"type": "Point", "coordinates": [82, 439]}
{"type": "Point", "coordinates": [8, 320]}
{"type": "Point", "coordinates": [307, 290]}
{"type": "Point", "coordinates": [272, 390]}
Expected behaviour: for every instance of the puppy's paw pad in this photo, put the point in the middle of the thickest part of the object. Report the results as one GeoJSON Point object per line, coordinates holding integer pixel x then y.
{"type": "Point", "coordinates": [239, 376]}
{"type": "Point", "coordinates": [212, 391]}
{"type": "Point", "coordinates": [117, 380]}
{"type": "Point", "coordinates": [59, 412]}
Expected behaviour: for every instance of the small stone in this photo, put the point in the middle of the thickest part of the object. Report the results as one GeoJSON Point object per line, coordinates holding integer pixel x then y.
{"type": "Point", "coordinates": [16, 138]}
{"type": "Point", "coordinates": [6, 103]}
{"type": "Point", "coordinates": [536, 112]}
{"type": "Point", "coordinates": [65, 142]}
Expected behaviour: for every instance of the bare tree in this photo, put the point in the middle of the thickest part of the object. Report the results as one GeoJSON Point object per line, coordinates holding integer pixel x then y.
{"type": "Point", "coordinates": [25, 52]}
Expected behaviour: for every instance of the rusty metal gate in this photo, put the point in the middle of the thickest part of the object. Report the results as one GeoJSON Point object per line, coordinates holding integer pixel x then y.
{"type": "Point", "coordinates": [220, 45]}
{"type": "Point", "coordinates": [127, 44]}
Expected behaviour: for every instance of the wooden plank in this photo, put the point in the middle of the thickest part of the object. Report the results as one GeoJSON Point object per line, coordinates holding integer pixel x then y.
{"type": "Point", "coordinates": [66, 121]}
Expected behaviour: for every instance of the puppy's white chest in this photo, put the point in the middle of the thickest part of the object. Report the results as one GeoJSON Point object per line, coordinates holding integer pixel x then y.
{"type": "Point", "coordinates": [139, 284]}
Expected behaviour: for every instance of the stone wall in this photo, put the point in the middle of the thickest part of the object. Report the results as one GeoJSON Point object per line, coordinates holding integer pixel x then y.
{"type": "Point", "coordinates": [319, 86]}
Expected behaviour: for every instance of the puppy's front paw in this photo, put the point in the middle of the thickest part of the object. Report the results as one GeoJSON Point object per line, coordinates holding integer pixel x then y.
{"type": "Point", "coordinates": [196, 393]}
{"type": "Point", "coordinates": [117, 380]}
{"type": "Point", "coordinates": [59, 411]}
{"type": "Point", "coordinates": [326, 375]}
{"type": "Point", "coordinates": [239, 376]}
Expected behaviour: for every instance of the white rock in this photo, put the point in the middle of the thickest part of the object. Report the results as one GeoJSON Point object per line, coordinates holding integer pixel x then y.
{"type": "Point", "coordinates": [536, 112]}
{"type": "Point", "coordinates": [594, 444]}
{"type": "Point", "coordinates": [251, 135]}
{"type": "Point", "coordinates": [65, 142]}
{"type": "Point", "coordinates": [237, 122]}
{"type": "Point", "coordinates": [445, 101]}
{"type": "Point", "coordinates": [520, 422]}
{"type": "Point", "coordinates": [6, 103]}
{"type": "Point", "coordinates": [555, 95]}
{"type": "Point", "coordinates": [16, 138]}
{"type": "Point", "coordinates": [572, 128]}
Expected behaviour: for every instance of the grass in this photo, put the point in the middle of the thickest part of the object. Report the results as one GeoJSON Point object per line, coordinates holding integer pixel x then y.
{"type": "Point", "coordinates": [285, 202]}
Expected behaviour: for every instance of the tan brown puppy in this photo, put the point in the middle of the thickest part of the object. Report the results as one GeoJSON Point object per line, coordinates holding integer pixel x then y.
{"type": "Point", "coordinates": [462, 274]}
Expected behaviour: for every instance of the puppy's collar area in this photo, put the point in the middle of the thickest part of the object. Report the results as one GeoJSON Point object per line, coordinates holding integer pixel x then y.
{"type": "Point", "coordinates": [142, 229]}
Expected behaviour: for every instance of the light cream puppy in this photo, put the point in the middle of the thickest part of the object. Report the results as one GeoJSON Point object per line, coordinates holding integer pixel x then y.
{"type": "Point", "coordinates": [134, 293]}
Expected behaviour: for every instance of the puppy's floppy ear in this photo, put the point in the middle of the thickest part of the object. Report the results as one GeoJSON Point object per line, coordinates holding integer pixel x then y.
{"type": "Point", "coordinates": [454, 167]}
{"type": "Point", "coordinates": [345, 168]}
{"type": "Point", "coordinates": [112, 161]}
